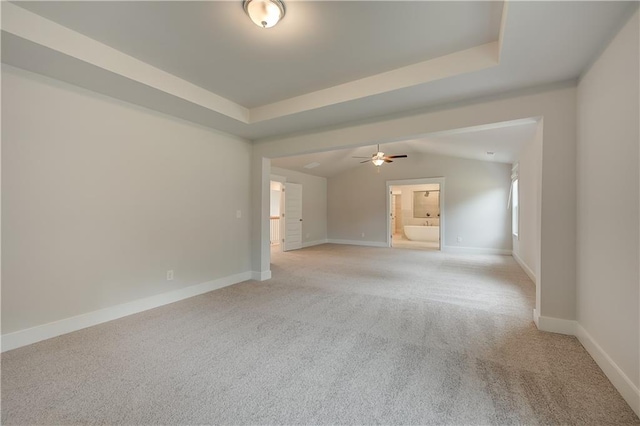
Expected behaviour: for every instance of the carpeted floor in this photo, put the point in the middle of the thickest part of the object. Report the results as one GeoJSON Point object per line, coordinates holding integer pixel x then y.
{"type": "Point", "coordinates": [340, 335]}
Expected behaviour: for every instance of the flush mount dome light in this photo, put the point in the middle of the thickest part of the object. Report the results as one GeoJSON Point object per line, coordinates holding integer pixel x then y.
{"type": "Point", "coordinates": [264, 13]}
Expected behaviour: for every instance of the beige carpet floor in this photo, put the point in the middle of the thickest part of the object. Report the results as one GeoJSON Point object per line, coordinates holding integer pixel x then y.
{"type": "Point", "coordinates": [340, 335]}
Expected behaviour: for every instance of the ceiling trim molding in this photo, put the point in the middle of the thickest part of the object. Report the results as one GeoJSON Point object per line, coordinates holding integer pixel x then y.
{"type": "Point", "coordinates": [489, 126]}
{"type": "Point", "coordinates": [503, 26]}
{"type": "Point", "coordinates": [461, 62]}
{"type": "Point", "coordinates": [30, 26]}
{"type": "Point", "coordinates": [518, 107]}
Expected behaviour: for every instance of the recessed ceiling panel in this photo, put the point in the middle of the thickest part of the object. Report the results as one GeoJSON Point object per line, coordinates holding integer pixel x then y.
{"type": "Point", "coordinates": [317, 45]}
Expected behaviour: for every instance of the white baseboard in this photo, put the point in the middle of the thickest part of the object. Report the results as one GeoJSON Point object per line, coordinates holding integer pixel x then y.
{"type": "Point", "coordinates": [621, 381]}
{"type": "Point", "coordinates": [359, 243]}
{"type": "Point", "coordinates": [618, 378]}
{"type": "Point", "coordinates": [261, 275]}
{"type": "Point", "coordinates": [314, 243]}
{"type": "Point", "coordinates": [47, 331]}
{"type": "Point", "coordinates": [475, 250]}
{"type": "Point", "coordinates": [556, 325]}
{"type": "Point", "coordinates": [524, 266]}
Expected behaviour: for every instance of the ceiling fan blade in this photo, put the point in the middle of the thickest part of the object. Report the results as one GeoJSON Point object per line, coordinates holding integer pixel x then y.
{"type": "Point", "coordinates": [360, 157]}
{"type": "Point", "coordinates": [365, 161]}
{"type": "Point", "coordinates": [396, 156]}
{"type": "Point", "coordinates": [386, 160]}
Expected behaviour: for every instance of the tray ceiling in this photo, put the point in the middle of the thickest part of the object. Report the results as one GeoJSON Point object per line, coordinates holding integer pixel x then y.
{"type": "Point", "coordinates": [326, 64]}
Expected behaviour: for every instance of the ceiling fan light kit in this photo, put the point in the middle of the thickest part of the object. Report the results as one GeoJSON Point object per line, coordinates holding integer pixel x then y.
{"type": "Point", "coordinates": [264, 13]}
{"type": "Point", "coordinates": [378, 158]}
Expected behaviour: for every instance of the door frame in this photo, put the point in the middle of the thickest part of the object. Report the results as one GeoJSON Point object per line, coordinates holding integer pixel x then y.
{"type": "Point", "coordinates": [283, 181]}
{"type": "Point", "coordinates": [439, 180]}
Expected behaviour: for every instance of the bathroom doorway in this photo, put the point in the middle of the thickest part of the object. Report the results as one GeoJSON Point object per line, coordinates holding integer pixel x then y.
{"type": "Point", "coordinates": [416, 214]}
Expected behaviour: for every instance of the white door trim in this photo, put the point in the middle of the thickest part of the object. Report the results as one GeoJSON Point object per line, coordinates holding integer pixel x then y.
{"type": "Point", "coordinates": [283, 181]}
{"type": "Point", "coordinates": [278, 178]}
{"type": "Point", "coordinates": [420, 181]}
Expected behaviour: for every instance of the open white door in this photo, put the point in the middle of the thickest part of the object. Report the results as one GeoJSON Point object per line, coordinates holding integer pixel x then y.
{"type": "Point", "coordinates": [292, 216]}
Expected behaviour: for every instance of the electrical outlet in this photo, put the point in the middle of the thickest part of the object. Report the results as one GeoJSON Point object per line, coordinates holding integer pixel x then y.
{"type": "Point", "coordinates": [459, 239]}
{"type": "Point", "coordinates": [363, 235]}
{"type": "Point", "coordinates": [170, 275]}
{"type": "Point", "coordinates": [238, 214]}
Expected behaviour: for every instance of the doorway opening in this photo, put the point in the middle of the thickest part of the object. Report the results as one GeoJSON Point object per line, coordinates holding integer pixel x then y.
{"type": "Point", "coordinates": [276, 202]}
{"type": "Point", "coordinates": [416, 214]}
{"type": "Point", "coordinates": [285, 214]}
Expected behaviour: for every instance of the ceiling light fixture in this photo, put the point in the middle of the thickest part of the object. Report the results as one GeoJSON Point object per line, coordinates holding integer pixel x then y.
{"type": "Point", "coordinates": [264, 13]}
{"type": "Point", "coordinates": [378, 159]}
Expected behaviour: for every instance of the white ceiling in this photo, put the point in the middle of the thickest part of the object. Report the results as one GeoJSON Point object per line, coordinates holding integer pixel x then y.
{"type": "Point", "coordinates": [505, 140]}
{"type": "Point", "coordinates": [215, 46]}
{"type": "Point", "coordinates": [326, 64]}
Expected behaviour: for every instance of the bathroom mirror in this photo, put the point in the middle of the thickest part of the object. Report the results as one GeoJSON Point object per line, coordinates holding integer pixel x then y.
{"type": "Point", "coordinates": [426, 204]}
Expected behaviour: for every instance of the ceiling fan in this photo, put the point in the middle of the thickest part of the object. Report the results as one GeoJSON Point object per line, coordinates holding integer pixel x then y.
{"type": "Point", "coordinates": [379, 158]}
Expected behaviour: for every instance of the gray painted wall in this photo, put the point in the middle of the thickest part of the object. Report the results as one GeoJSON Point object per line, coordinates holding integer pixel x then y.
{"type": "Point", "coordinates": [475, 200]}
{"type": "Point", "coordinates": [608, 218]}
{"type": "Point", "coordinates": [100, 198]}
